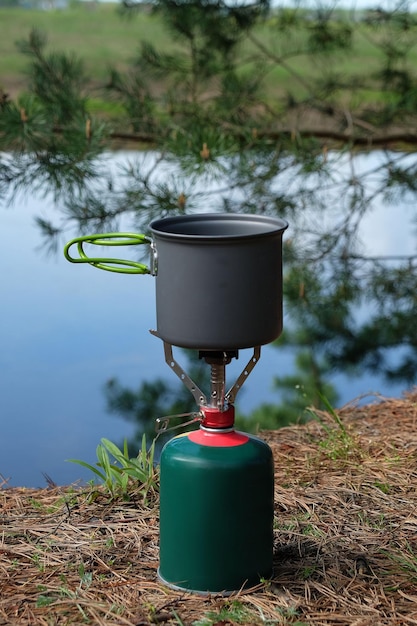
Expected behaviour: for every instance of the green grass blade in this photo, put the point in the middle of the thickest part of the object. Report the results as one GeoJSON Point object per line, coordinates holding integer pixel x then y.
{"type": "Point", "coordinates": [332, 412]}
{"type": "Point", "coordinates": [114, 451]}
{"type": "Point", "coordinates": [92, 468]}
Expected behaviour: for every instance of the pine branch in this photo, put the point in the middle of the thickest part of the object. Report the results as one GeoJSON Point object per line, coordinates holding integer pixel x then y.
{"type": "Point", "coordinates": [388, 139]}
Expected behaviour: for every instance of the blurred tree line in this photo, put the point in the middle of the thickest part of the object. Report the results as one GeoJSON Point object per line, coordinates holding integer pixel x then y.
{"type": "Point", "coordinates": [226, 134]}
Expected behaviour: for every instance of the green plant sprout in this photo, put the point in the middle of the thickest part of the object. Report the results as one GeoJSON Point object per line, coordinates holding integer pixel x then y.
{"type": "Point", "coordinates": [117, 470]}
{"type": "Point", "coordinates": [232, 611]}
{"type": "Point", "coordinates": [406, 559]}
{"type": "Point", "coordinates": [339, 444]}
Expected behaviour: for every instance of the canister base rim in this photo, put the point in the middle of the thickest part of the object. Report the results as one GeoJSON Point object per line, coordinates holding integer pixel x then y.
{"type": "Point", "coordinates": [196, 591]}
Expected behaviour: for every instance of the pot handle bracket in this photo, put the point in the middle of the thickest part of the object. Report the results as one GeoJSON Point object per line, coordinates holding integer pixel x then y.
{"type": "Point", "coordinates": [122, 266]}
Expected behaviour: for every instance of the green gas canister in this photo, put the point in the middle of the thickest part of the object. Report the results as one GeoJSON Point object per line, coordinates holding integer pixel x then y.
{"type": "Point", "coordinates": [216, 508]}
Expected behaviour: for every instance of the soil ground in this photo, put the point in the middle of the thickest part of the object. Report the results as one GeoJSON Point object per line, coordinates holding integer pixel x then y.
{"type": "Point", "coordinates": [345, 538]}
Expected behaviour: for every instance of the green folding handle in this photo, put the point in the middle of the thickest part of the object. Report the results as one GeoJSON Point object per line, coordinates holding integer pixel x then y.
{"type": "Point", "coordinates": [121, 266]}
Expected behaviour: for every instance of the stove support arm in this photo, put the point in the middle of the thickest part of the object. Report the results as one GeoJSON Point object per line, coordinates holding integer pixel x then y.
{"type": "Point", "coordinates": [232, 393]}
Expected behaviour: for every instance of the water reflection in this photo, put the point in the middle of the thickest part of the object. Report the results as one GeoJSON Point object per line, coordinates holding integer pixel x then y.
{"type": "Point", "coordinates": [67, 329]}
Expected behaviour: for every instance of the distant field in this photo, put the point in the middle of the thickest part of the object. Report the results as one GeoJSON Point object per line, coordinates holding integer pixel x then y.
{"type": "Point", "coordinates": [101, 36]}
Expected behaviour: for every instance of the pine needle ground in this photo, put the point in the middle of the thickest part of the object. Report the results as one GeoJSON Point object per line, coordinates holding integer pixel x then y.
{"type": "Point", "coordinates": [345, 538]}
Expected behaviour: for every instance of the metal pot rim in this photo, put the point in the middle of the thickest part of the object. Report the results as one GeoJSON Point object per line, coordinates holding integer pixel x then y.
{"type": "Point", "coordinates": [217, 226]}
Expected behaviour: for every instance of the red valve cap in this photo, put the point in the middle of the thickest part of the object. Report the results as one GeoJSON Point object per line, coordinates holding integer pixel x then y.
{"type": "Point", "coordinates": [213, 418]}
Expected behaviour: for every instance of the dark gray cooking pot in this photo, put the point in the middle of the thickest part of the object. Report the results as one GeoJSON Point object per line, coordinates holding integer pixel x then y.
{"type": "Point", "coordinates": [218, 280]}
{"type": "Point", "coordinates": [218, 277]}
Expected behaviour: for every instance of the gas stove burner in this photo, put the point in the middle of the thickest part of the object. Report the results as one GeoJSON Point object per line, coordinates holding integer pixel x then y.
{"type": "Point", "coordinates": [216, 491]}
{"type": "Point", "coordinates": [215, 411]}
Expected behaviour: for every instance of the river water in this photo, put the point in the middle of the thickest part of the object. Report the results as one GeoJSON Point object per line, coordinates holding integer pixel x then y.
{"type": "Point", "coordinates": [65, 330]}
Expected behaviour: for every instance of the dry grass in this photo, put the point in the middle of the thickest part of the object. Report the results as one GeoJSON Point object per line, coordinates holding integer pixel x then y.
{"type": "Point", "coordinates": [345, 539]}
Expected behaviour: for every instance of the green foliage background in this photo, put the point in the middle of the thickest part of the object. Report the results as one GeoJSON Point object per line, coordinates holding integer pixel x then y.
{"type": "Point", "coordinates": [250, 110]}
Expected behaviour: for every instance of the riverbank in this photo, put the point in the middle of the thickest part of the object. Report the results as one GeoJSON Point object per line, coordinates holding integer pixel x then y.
{"type": "Point", "coordinates": [345, 538]}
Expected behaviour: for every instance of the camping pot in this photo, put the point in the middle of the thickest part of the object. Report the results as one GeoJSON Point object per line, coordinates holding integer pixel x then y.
{"type": "Point", "coordinates": [218, 277]}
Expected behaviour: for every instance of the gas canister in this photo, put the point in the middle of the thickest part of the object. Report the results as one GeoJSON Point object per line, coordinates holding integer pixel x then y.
{"type": "Point", "coordinates": [216, 511]}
